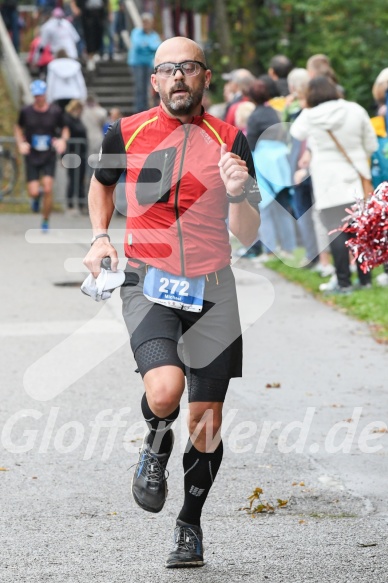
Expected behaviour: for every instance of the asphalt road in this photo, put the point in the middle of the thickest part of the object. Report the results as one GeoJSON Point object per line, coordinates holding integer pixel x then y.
{"type": "Point", "coordinates": [71, 428]}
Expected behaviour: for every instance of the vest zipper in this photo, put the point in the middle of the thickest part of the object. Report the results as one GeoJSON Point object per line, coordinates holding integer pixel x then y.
{"type": "Point", "coordinates": [163, 172]}
{"type": "Point", "coordinates": [181, 250]}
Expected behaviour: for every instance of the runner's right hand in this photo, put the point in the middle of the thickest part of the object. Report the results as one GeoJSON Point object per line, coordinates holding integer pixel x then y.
{"type": "Point", "coordinates": [101, 248]}
{"type": "Point", "coordinates": [24, 148]}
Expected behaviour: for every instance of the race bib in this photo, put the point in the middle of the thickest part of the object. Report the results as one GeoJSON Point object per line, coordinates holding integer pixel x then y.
{"type": "Point", "coordinates": [174, 291]}
{"type": "Point", "coordinates": [41, 143]}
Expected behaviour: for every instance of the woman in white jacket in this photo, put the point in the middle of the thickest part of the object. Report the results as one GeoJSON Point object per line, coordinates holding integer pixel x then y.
{"type": "Point", "coordinates": [336, 183]}
{"type": "Point", "coordinates": [65, 80]}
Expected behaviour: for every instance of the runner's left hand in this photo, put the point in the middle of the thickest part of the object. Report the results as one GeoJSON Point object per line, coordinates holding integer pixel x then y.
{"type": "Point", "coordinates": [233, 170]}
{"type": "Point", "coordinates": [59, 145]}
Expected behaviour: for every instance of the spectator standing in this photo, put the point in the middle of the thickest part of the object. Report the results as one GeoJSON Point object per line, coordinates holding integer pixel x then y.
{"type": "Point", "coordinates": [94, 17]}
{"type": "Point", "coordinates": [239, 82]}
{"type": "Point", "coordinates": [117, 24]}
{"type": "Point", "coordinates": [380, 124]}
{"type": "Point", "coordinates": [298, 80]}
{"type": "Point", "coordinates": [114, 115]}
{"type": "Point", "coordinates": [319, 65]}
{"type": "Point", "coordinates": [65, 80]}
{"type": "Point", "coordinates": [10, 14]}
{"type": "Point", "coordinates": [219, 109]}
{"type": "Point", "coordinates": [263, 116]}
{"type": "Point", "coordinates": [336, 182]}
{"type": "Point", "coordinates": [76, 176]}
{"type": "Point", "coordinates": [379, 91]}
{"type": "Point", "coordinates": [36, 135]}
{"type": "Point", "coordinates": [277, 101]}
{"type": "Point", "coordinates": [279, 68]}
{"type": "Point", "coordinates": [59, 33]}
{"type": "Point", "coordinates": [144, 42]}
{"type": "Point", "coordinates": [45, 8]}
{"type": "Point", "coordinates": [94, 118]}
{"type": "Point", "coordinates": [39, 57]}
{"type": "Point", "coordinates": [269, 155]}
{"type": "Point", "coordinates": [243, 112]}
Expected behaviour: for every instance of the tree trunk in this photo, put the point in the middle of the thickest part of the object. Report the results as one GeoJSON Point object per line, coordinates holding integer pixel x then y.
{"type": "Point", "coordinates": [223, 31]}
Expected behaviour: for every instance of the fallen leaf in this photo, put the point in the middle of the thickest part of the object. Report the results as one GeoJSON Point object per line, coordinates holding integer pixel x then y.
{"type": "Point", "coordinates": [272, 386]}
{"type": "Point", "coordinates": [377, 430]}
{"type": "Point", "coordinates": [282, 503]}
{"type": "Point", "coordinates": [256, 493]}
{"type": "Point", "coordinates": [302, 522]}
{"type": "Point", "coordinates": [4, 470]}
{"type": "Point", "coordinates": [302, 484]}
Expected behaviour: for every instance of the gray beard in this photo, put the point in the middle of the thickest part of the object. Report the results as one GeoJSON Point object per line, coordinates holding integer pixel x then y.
{"type": "Point", "coordinates": [181, 106]}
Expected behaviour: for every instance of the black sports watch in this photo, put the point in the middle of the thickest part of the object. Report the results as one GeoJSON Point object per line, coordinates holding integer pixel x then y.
{"type": "Point", "coordinates": [238, 198]}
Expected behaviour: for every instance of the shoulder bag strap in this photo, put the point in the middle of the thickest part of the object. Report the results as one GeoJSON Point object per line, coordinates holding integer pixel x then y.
{"type": "Point", "coordinates": [344, 153]}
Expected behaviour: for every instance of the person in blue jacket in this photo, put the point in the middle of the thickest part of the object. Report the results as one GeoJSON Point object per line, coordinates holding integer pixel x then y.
{"type": "Point", "coordinates": [144, 42]}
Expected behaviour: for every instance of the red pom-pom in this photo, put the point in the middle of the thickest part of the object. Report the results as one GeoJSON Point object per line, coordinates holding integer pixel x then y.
{"type": "Point", "coordinates": [369, 225]}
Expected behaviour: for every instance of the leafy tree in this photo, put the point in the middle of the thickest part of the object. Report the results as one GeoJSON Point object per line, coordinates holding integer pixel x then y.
{"type": "Point", "coordinates": [354, 34]}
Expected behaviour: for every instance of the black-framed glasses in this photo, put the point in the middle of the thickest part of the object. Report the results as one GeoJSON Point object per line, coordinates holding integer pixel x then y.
{"type": "Point", "coordinates": [188, 68]}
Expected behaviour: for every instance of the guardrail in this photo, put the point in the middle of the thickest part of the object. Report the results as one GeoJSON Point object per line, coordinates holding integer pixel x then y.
{"type": "Point", "coordinates": [12, 176]}
{"type": "Point", "coordinates": [12, 172]}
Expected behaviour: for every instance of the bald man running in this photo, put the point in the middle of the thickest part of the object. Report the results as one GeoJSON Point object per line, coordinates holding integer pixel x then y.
{"type": "Point", "coordinates": [186, 173]}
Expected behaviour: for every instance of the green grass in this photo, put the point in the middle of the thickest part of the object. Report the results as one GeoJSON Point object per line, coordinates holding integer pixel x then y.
{"type": "Point", "coordinates": [8, 113]}
{"type": "Point", "coordinates": [370, 305]}
{"type": "Point", "coordinates": [8, 118]}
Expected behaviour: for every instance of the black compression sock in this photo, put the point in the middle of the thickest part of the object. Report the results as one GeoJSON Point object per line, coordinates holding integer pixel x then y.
{"type": "Point", "coordinates": [160, 437]}
{"type": "Point", "coordinates": [200, 472]}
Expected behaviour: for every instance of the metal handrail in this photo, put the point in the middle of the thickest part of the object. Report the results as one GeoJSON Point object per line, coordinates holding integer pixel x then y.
{"type": "Point", "coordinates": [15, 73]}
{"type": "Point", "coordinates": [133, 12]}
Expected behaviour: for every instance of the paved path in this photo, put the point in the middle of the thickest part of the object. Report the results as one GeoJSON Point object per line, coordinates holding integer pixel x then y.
{"type": "Point", "coordinates": [70, 411]}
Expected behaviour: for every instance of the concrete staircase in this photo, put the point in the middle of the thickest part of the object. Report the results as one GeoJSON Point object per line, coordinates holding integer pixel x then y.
{"type": "Point", "coordinates": [112, 85]}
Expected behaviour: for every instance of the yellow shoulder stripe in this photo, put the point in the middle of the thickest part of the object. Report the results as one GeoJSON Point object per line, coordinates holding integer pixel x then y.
{"type": "Point", "coordinates": [213, 130]}
{"type": "Point", "coordinates": [139, 130]}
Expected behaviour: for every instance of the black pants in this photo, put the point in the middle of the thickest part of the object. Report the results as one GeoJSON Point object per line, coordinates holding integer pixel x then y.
{"type": "Point", "coordinates": [332, 219]}
{"type": "Point", "coordinates": [76, 185]}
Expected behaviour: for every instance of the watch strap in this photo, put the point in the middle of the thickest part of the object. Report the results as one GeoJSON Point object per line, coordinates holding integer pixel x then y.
{"type": "Point", "coordinates": [238, 198]}
{"type": "Point", "coordinates": [99, 237]}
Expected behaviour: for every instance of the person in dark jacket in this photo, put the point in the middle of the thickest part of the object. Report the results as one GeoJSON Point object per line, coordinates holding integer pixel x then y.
{"type": "Point", "coordinates": [94, 15]}
{"type": "Point", "coordinates": [263, 116]}
{"type": "Point", "coordinates": [279, 68]}
{"type": "Point", "coordinates": [78, 147]}
{"type": "Point", "coordinates": [277, 225]}
{"type": "Point", "coordinates": [9, 12]}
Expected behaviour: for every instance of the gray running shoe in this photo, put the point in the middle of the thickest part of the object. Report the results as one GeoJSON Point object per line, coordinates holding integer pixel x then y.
{"type": "Point", "coordinates": [149, 483]}
{"type": "Point", "coordinates": [188, 548]}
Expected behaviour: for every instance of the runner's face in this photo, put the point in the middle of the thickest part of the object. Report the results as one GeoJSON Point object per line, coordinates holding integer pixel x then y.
{"type": "Point", "coordinates": [180, 94]}
{"type": "Point", "coordinates": [40, 100]}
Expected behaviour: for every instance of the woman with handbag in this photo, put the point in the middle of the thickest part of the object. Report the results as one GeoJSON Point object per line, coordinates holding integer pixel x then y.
{"type": "Point", "coordinates": [341, 139]}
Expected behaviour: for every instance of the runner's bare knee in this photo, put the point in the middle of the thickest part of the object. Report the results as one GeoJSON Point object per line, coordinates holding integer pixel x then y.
{"type": "Point", "coordinates": [164, 387]}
